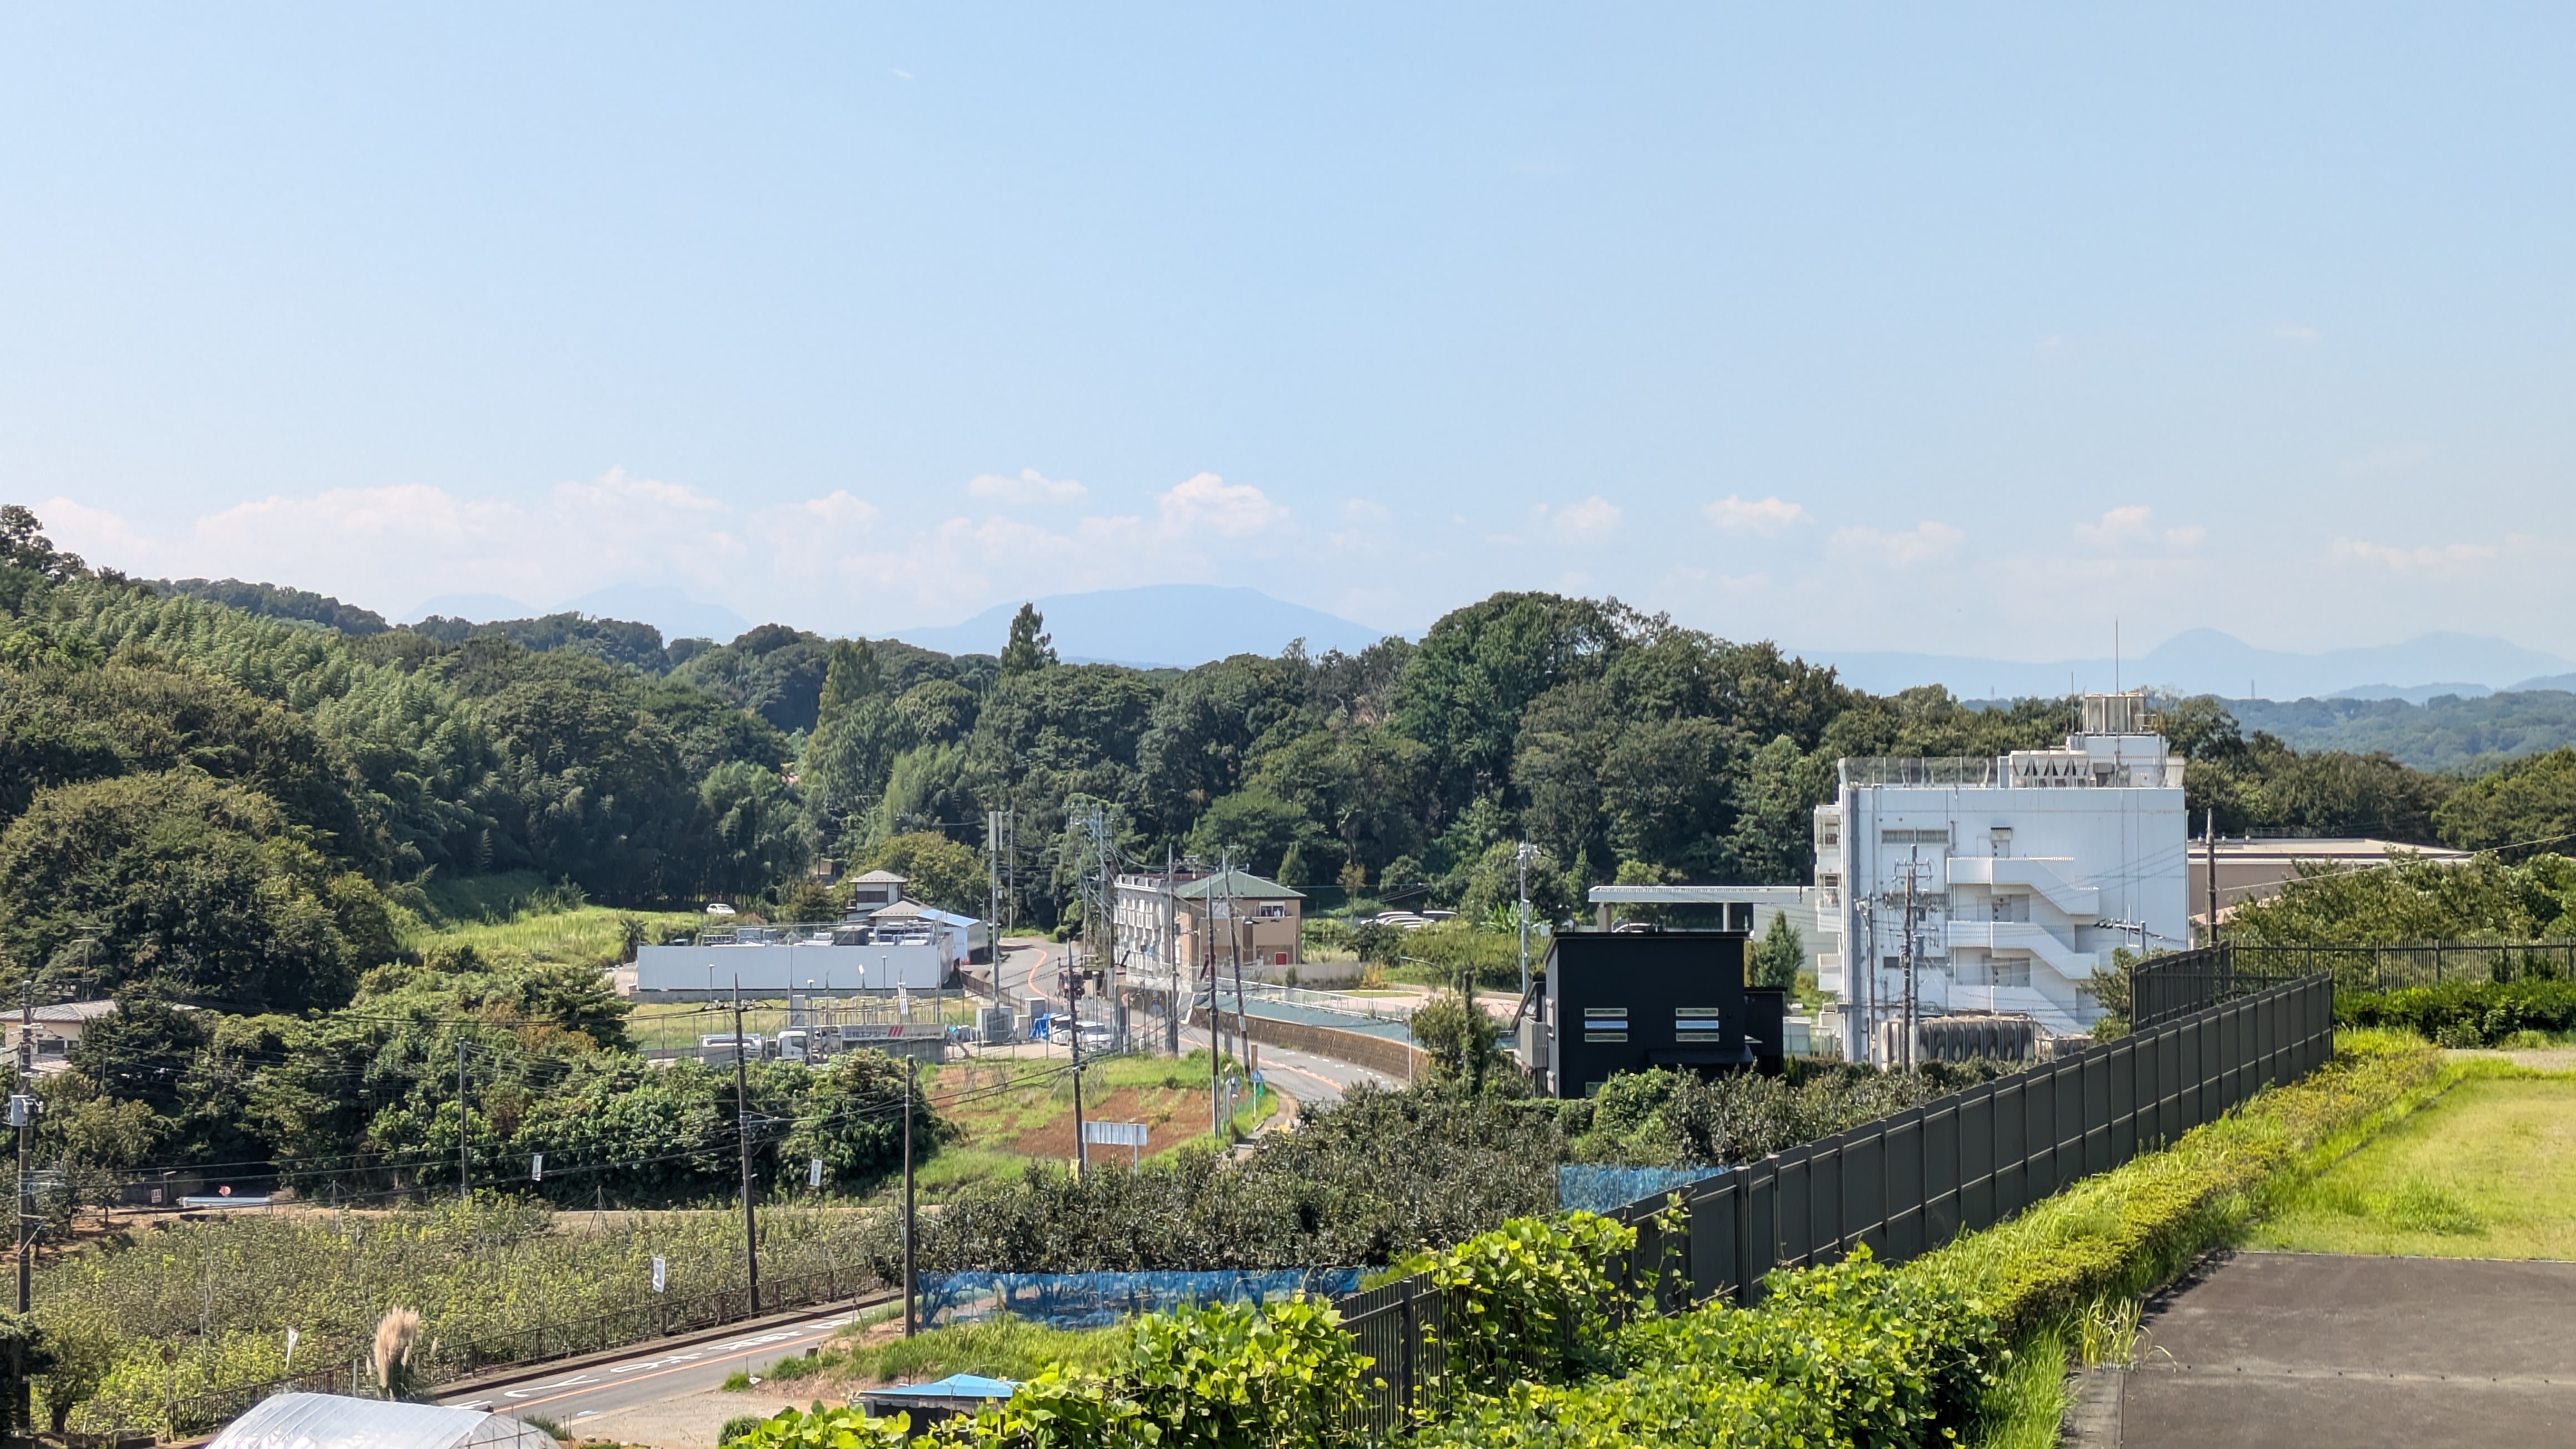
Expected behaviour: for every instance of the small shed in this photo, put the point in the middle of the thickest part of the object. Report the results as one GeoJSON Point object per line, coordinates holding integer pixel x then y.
{"type": "Point", "coordinates": [337, 1421]}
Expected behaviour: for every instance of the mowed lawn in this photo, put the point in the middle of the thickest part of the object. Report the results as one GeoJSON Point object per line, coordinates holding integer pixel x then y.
{"type": "Point", "coordinates": [2487, 1171]}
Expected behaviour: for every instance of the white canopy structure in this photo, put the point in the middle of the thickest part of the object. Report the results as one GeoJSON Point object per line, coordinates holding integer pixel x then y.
{"type": "Point", "coordinates": [335, 1421]}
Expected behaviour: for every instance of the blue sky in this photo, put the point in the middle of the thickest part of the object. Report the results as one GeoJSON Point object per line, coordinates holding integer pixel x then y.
{"type": "Point", "coordinates": [1957, 329]}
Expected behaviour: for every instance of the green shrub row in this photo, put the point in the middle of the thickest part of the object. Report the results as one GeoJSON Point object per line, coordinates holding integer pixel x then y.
{"type": "Point", "coordinates": [1854, 1353]}
{"type": "Point", "coordinates": [2466, 1013]}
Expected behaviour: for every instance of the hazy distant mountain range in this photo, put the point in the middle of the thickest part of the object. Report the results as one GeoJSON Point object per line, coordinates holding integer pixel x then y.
{"type": "Point", "coordinates": [2205, 661]}
{"type": "Point", "coordinates": [1165, 624]}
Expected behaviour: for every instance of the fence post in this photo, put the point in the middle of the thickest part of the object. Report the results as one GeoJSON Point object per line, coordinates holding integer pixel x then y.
{"type": "Point", "coordinates": [1408, 1344]}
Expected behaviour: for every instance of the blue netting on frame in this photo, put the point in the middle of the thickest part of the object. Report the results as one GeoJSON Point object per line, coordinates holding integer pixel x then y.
{"type": "Point", "coordinates": [1603, 1189]}
{"type": "Point", "coordinates": [1092, 1300]}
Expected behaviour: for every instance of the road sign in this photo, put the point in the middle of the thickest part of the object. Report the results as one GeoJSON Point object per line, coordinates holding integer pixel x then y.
{"type": "Point", "coordinates": [1130, 1135]}
{"type": "Point", "coordinates": [537, 1168]}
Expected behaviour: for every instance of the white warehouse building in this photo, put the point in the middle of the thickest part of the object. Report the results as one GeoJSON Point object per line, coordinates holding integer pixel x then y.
{"type": "Point", "coordinates": [2026, 872]}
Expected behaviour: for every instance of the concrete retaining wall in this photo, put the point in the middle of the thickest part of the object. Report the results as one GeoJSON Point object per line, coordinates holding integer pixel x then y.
{"type": "Point", "coordinates": [1400, 1060]}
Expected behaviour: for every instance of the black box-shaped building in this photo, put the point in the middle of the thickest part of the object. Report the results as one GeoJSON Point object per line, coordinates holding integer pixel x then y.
{"type": "Point", "coordinates": [1625, 1001]}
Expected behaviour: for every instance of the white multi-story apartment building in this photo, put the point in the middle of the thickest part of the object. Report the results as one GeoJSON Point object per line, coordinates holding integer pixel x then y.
{"type": "Point", "coordinates": [2025, 873]}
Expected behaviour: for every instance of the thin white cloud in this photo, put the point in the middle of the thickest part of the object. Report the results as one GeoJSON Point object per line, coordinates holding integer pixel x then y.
{"type": "Point", "coordinates": [2293, 332]}
{"type": "Point", "coordinates": [2439, 561]}
{"type": "Point", "coordinates": [2131, 527]}
{"type": "Point", "coordinates": [1595, 517]}
{"type": "Point", "coordinates": [1026, 486]}
{"type": "Point", "coordinates": [1767, 517]}
{"type": "Point", "coordinates": [1926, 542]}
{"type": "Point", "coordinates": [391, 547]}
{"type": "Point", "coordinates": [1207, 504]}
{"type": "Point", "coordinates": [2385, 460]}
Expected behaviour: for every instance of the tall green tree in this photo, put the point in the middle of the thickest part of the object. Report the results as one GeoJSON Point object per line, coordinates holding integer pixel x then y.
{"type": "Point", "coordinates": [1030, 648]}
{"type": "Point", "coordinates": [1778, 957]}
{"type": "Point", "coordinates": [858, 733]}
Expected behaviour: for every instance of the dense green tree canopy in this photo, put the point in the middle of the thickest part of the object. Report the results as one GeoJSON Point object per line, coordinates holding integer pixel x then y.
{"type": "Point", "coordinates": [181, 880]}
{"type": "Point", "coordinates": [2528, 802]}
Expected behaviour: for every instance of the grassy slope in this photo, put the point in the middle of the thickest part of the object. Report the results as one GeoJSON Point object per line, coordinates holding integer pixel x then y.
{"type": "Point", "coordinates": [2489, 1171]}
{"type": "Point", "coordinates": [593, 934]}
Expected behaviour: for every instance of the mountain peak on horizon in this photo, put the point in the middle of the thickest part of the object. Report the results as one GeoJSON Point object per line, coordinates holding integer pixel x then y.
{"type": "Point", "coordinates": [1155, 626]}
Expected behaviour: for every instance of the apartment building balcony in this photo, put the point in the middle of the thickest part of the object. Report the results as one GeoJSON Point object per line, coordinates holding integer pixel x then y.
{"type": "Point", "coordinates": [2037, 874]}
{"type": "Point", "coordinates": [2026, 938]}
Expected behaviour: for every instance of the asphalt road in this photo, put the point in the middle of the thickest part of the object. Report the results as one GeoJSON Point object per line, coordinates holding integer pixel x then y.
{"type": "Point", "coordinates": [652, 1374]}
{"type": "Point", "coordinates": [1029, 970]}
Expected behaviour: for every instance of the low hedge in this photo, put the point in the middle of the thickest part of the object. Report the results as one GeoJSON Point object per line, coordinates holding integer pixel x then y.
{"type": "Point", "coordinates": [1855, 1353]}
{"type": "Point", "coordinates": [2466, 1013]}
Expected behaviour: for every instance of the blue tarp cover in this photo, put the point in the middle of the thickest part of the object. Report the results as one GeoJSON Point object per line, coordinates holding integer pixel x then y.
{"type": "Point", "coordinates": [960, 1386]}
{"type": "Point", "coordinates": [1093, 1300]}
{"type": "Point", "coordinates": [1607, 1189]}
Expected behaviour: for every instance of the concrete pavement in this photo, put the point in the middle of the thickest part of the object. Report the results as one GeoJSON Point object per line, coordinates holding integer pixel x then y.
{"type": "Point", "coordinates": [2290, 1350]}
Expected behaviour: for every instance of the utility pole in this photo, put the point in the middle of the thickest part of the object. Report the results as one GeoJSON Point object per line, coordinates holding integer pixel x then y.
{"type": "Point", "coordinates": [1910, 997]}
{"type": "Point", "coordinates": [2209, 865]}
{"type": "Point", "coordinates": [1168, 946]}
{"type": "Point", "coordinates": [23, 1108]}
{"type": "Point", "coordinates": [911, 1260]}
{"type": "Point", "coordinates": [742, 1131]}
{"type": "Point", "coordinates": [1522, 858]}
{"type": "Point", "coordinates": [1073, 1004]}
{"type": "Point", "coordinates": [1216, 1016]}
{"type": "Point", "coordinates": [1234, 928]}
{"type": "Point", "coordinates": [464, 1143]}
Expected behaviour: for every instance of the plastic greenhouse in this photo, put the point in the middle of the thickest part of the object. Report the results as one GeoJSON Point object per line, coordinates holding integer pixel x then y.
{"type": "Point", "coordinates": [334, 1421]}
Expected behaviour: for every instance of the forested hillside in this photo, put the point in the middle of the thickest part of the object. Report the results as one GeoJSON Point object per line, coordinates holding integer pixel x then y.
{"type": "Point", "coordinates": [2446, 733]}
{"type": "Point", "coordinates": [246, 805]}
